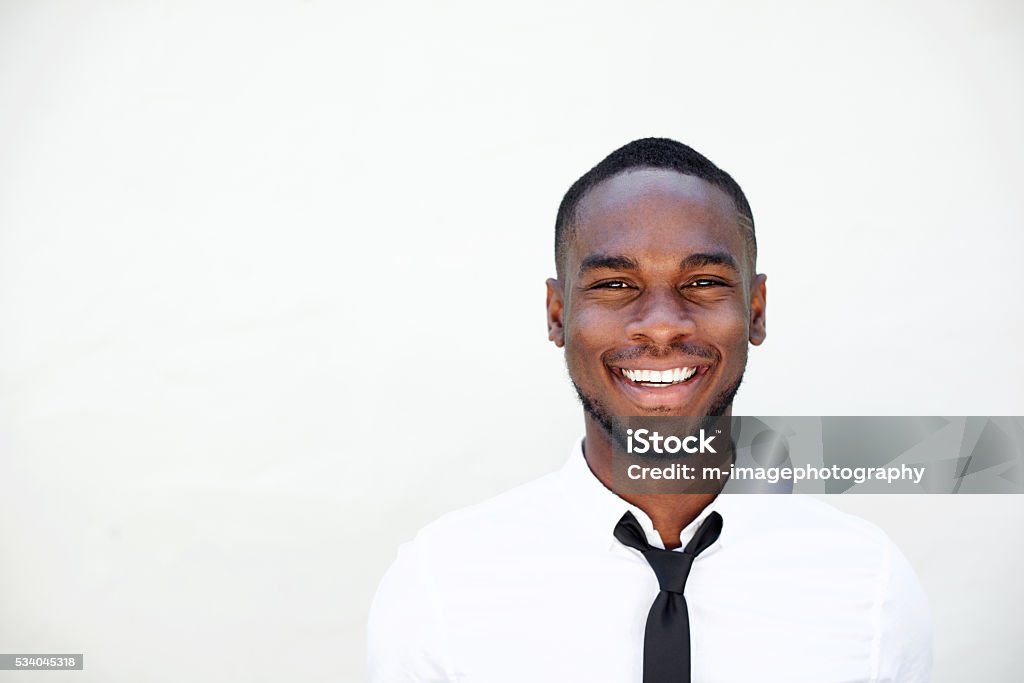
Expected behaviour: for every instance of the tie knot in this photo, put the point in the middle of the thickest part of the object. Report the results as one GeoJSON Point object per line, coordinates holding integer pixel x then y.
{"type": "Point", "coordinates": [672, 569]}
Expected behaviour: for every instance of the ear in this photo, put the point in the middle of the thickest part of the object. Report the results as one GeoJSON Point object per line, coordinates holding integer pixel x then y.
{"type": "Point", "coordinates": [758, 302]}
{"type": "Point", "coordinates": [556, 307]}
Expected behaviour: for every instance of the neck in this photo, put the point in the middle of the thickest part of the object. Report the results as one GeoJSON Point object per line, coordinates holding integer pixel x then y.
{"type": "Point", "coordinates": [669, 512]}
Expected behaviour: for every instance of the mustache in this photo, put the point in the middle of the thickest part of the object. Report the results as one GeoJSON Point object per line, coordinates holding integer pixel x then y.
{"type": "Point", "coordinates": [656, 351]}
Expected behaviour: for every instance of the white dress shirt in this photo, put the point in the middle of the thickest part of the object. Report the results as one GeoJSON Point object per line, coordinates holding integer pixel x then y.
{"type": "Point", "coordinates": [532, 586]}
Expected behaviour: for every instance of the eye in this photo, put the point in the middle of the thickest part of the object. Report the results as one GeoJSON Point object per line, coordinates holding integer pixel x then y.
{"type": "Point", "coordinates": [705, 283]}
{"type": "Point", "coordinates": [611, 284]}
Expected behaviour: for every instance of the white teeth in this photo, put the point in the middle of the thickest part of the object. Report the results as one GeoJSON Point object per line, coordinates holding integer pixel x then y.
{"type": "Point", "coordinates": [673, 376]}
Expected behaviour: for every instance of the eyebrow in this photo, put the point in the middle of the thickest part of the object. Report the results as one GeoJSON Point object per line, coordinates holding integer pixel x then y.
{"type": "Point", "coordinates": [610, 262]}
{"type": "Point", "coordinates": [716, 258]}
{"type": "Point", "coordinates": [607, 262]}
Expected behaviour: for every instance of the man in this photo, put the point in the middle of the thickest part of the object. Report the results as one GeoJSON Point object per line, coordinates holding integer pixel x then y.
{"type": "Point", "coordinates": [571, 577]}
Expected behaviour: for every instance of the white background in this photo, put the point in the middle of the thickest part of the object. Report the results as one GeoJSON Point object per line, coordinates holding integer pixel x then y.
{"type": "Point", "coordinates": [272, 285]}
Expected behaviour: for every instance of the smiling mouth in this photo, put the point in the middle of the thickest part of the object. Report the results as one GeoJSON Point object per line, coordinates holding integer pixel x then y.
{"type": "Point", "coordinates": [661, 378]}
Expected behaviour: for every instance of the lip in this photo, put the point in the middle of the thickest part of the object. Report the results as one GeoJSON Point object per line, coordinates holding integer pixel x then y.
{"type": "Point", "coordinates": [670, 396]}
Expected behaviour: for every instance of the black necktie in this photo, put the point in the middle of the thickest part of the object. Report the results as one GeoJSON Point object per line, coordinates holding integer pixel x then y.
{"type": "Point", "coordinates": [667, 637]}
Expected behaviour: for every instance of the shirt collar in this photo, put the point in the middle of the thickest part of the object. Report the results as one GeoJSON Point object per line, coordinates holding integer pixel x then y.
{"type": "Point", "coordinates": [597, 509]}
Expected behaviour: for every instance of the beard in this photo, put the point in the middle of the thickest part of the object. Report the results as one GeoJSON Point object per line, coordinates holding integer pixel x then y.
{"type": "Point", "coordinates": [603, 417]}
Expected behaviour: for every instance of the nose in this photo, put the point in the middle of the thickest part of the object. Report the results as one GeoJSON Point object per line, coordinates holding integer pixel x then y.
{"type": "Point", "coordinates": [661, 316]}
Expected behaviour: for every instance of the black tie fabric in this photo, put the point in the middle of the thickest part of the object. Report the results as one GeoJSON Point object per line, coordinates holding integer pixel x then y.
{"type": "Point", "coordinates": [667, 637]}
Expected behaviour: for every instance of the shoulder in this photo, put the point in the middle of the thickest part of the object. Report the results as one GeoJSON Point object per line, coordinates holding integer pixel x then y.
{"type": "Point", "coordinates": [804, 536]}
{"type": "Point", "coordinates": [836, 563]}
{"type": "Point", "coordinates": [499, 521]}
{"type": "Point", "coordinates": [800, 518]}
{"type": "Point", "coordinates": [409, 626]}
{"type": "Point", "coordinates": [481, 530]}
{"type": "Point", "coordinates": [843, 561]}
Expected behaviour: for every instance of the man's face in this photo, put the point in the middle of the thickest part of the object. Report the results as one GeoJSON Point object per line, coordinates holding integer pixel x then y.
{"type": "Point", "coordinates": [656, 303]}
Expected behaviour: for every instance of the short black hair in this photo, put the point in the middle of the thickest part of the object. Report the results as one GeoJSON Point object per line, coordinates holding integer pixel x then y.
{"type": "Point", "coordinates": [652, 153]}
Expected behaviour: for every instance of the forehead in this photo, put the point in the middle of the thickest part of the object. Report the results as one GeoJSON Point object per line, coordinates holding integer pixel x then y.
{"type": "Point", "coordinates": [655, 214]}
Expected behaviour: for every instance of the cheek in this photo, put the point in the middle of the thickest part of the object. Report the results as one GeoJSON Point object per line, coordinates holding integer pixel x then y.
{"type": "Point", "coordinates": [588, 333]}
{"type": "Point", "coordinates": [591, 326]}
{"type": "Point", "coordinates": [727, 326]}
